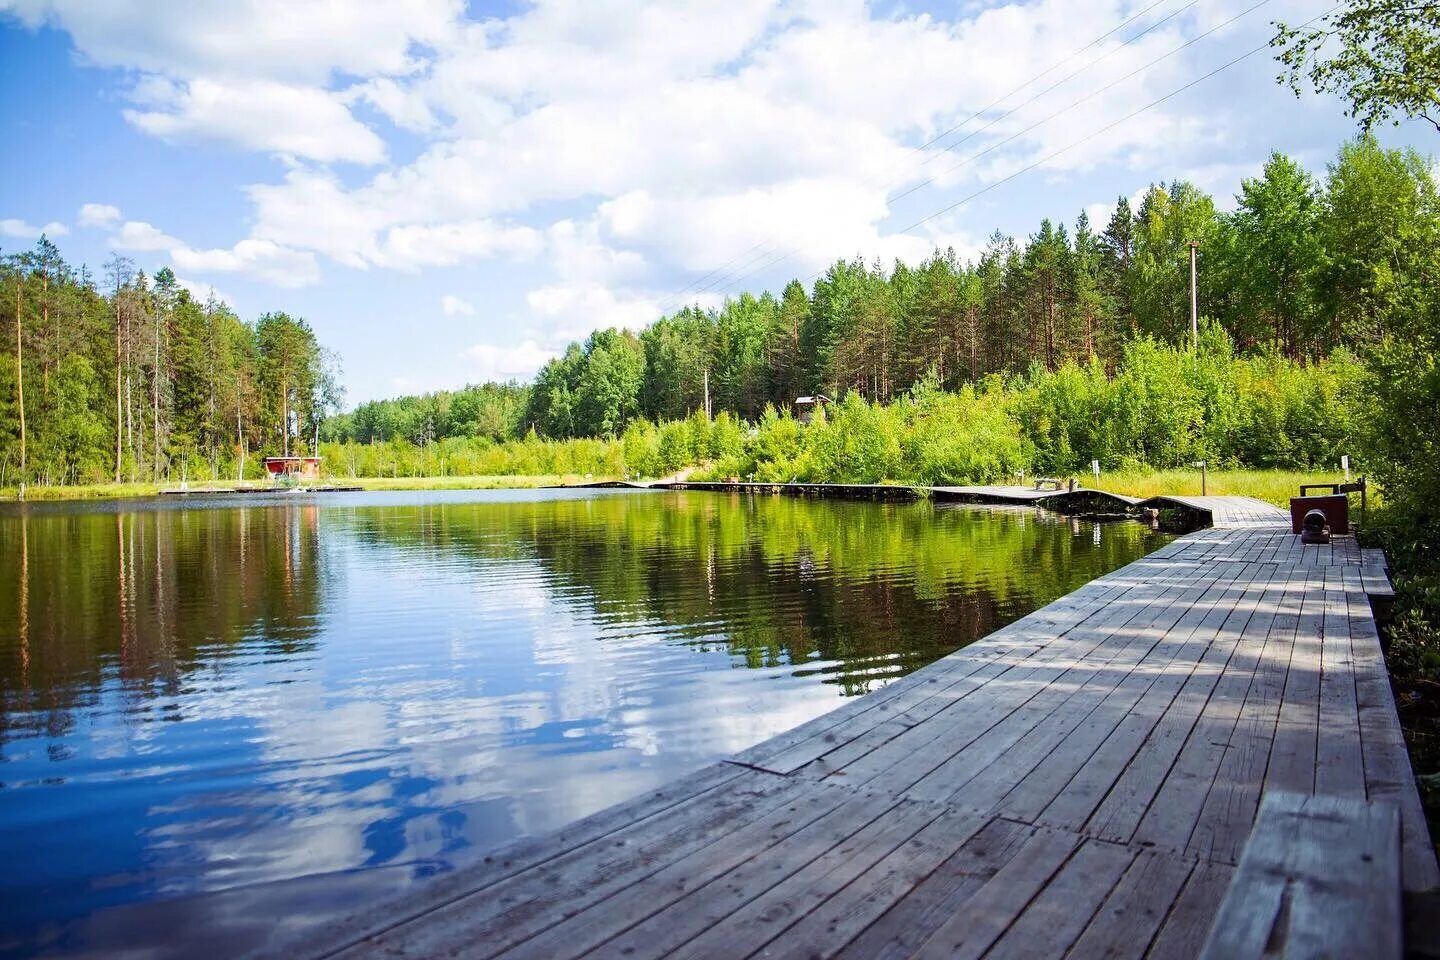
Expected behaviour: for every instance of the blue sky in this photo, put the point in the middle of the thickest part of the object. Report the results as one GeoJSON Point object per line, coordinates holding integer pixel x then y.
{"type": "Point", "coordinates": [451, 192]}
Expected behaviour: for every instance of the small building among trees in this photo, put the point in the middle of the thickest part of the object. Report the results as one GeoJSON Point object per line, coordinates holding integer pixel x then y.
{"type": "Point", "coordinates": [293, 468]}
{"type": "Point", "coordinates": [805, 407]}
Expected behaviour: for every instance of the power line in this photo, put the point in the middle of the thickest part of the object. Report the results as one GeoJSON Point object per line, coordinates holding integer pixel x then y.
{"type": "Point", "coordinates": [691, 289]}
{"type": "Point", "coordinates": [1062, 81]}
{"type": "Point", "coordinates": [1089, 96]}
{"type": "Point", "coordinates": [1091, 136]}
{"type": "Point", "coordinates": [1052, 68]}
{"type": "Point", "coordinates": [1105, 129]}
{"type": "Point", "coordinates": [738, 276]}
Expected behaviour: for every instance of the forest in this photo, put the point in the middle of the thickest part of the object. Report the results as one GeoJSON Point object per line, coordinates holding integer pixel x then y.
{"type": "Point", "coordinates": [1069, 345]}
{"type": "Point", "coordinates": [129, 378]}
{"type": "Point", "coordinates": [1299, 269]}
{"type": "Point", "coordinates": [1072, 345]}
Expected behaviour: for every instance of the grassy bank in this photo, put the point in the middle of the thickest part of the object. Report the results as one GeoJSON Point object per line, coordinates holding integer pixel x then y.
{"type": "Point", "coordinates": [488, 482]}
{"type": "Point", "coordinates": [1274, 486]}
{"type": "Point", "coordinates": [119, 491]}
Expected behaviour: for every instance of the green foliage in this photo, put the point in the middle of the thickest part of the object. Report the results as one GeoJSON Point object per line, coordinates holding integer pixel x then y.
{"type": "Point", "coordinates": [474, 456]}
{"type": "Point", "coordinates": [1042, 355]}
{"type": "Point", "coordinates": [142, 381]}
{"type": "Point", "coordinates": [492, 410]}
{"type": "Point", "coordinates": [1387, 63]}
{"type": "Point", "coordinates": [1404, 444]}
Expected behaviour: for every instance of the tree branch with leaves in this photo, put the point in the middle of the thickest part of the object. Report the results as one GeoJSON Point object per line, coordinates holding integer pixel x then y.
{"type": "Point", "coordinates": [1383, 56]}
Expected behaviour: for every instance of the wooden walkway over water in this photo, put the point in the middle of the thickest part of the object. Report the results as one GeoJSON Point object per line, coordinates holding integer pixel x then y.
{"type": "Point", "coordinates": [1081, 783]}
{"type": "Point", "coordinates": [1224, 511]}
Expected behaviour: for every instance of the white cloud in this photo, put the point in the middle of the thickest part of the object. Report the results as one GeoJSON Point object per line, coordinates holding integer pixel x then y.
{"type": "Point", "coordinates": [406, 107]}
{"type": "Point", "coordinates": [508, 363]}
{"type": "Point", "coordinates": [445, 244]}
{"type": "Point", "coordinates": [262, 115]}
{"type": "Point", "coordinates": [266, 261]}
{"type": "Point", "coordinates": [256, 74]}
{"type": "Point", "coordinates": [1099, 214]}
{"type": "Point", "coordinates": [140, 236]}
{"type": "Point", "coordinates": [572, 311]}
{"type": "Point", "coordinates": [19, 228]}
{"type": "Point", "coordinates": [629, 146]}
{"type": "Point", "coordinates": [202, 291]}
{"type": "Point", "coordinates": [98, 215]}
{"type": "Point", "coordinates": [298, 41]}
{"type": "Point", "coordinates": [453, 306]}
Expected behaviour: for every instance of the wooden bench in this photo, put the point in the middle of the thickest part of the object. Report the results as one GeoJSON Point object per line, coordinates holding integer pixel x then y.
{"type": "Point", "coordinates": [1319, 877]}
{"type": "Point", "coordinates": [1049, 483]}
{"type": "Point", "coordinates": [1360, 486]}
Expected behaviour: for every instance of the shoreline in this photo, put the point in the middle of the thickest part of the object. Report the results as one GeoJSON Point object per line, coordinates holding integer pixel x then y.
{"type": "Point", "coordinates": [1102, 714]}
{"type": "Point", "coordinates": [1271, 486]}
{"type": "Point", "coordinates": [123, 491]}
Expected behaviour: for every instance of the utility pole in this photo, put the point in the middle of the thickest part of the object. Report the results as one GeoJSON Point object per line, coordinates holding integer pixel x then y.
{"type": "Point", "coordinates": [707, 393]}
{"type": "Point", "coordinates": [20, 375]}
{"type": "Point", "coordinates": [1194, 301]}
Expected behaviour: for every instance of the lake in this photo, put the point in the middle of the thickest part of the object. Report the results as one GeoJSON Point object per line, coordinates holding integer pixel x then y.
{"type": "Point", "coordinates": [220, 711]}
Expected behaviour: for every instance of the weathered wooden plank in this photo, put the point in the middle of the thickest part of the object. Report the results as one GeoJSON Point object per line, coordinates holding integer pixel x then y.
{"type": "Point", "coordinates": [1154, 646]}
{"type": "Point", "coordinates": [1188, 924]}
{"type": "Point", "coordinates": [1134, 788]}
{"type": "Point", "coordinates": [825, 931]}
{"type": "Point", "coordinates": [1388, 775]}
{"type": "Point", "coordinates": [1166, 667]}
{"type": "Point", "coordinates": [970, 757]}
{"type": "Point", "coordinates": [900, 931]}
{"type": "Point", "coordinates": [913, 755]}
{"type": "Point", "coordinates": [1171, 816]}
{"type": "Point", "coordinates": [1320, 876]}
{"type": "Point", "coordinates": [500, 914]}
{"type": "Point", "coordinates": [1233, 798]}
{"type": "Point", "coordinates": [1054, 919]}
{"type": "Point", "coordinates": [915, 697]}
{"type": "Point", "coordinates": [989, 913]}
{"type": "Point", "coordinates": [761, 898]}
{"type": "Point", "coordinates": [1292, 753]}
{"type": "Point", "coordinates": [1339, 763]}
{"type": "Point", "coordinates": [660, 806]}
{"type": "Point", "coordinates": [1113, 788]}
{"type": "Point", "coordinates": [1129, 919]}
{"type": "Point", "coordinates": [785, 839]}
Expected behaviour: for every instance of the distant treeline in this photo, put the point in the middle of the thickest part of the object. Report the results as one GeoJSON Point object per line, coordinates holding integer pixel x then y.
{"type": "Point", "coordinates": [1299, 268]}
{"type": "Point", "coordinates": [1162, 406]}
{"type": "Point", "coordinates": [490, 410]}
{"type": "Point", "coordinates": [137, 380]}
{"type": "Point", "coordinates": [1057, 338]}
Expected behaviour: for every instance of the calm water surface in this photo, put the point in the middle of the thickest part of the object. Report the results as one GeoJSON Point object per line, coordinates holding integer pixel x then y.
{"type": "Point", "coordinates": [217, 713]}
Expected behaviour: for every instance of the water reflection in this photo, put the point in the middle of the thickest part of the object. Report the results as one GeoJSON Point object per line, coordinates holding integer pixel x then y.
{"type": "Point", "coordinates": [213, 697]}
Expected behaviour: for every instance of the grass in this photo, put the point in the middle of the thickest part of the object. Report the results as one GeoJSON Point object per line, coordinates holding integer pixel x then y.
{"type": "Point", "coordinates": [115, 491]}
{"type": "Point", "coordinates": [516, 482]}
{"type": "Point", "coordinates": [95, 491]}
{"type": "Point", "coordinates": [1272, 486]}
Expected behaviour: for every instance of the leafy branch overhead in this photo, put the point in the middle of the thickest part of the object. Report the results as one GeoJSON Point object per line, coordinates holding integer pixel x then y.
{"type": "Point", "coordinates": [1383, 56]}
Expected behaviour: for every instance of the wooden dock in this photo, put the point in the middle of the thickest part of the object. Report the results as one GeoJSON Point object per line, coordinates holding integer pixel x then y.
{"type": "Point", "coordinates": [1206, 511]}
{"type": "Point", "coordinates": [1081, 783]}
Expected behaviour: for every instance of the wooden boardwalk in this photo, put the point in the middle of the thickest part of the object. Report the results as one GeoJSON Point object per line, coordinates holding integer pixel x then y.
{"type": "Point", "coordinates": [1216, 511]}
{"type": "Point", "coordinates": [1080, 783]}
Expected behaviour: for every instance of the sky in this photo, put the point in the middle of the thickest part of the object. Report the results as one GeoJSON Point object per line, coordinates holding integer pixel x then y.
{"type": "Point", "coordinates": [451, 192]}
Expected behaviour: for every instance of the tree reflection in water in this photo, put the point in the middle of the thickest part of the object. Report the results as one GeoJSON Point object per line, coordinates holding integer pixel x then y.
{"type": "Point", "coordinates": [229, 694]}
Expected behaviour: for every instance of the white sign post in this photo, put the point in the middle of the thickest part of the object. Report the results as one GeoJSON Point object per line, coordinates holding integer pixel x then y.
{"type": "Point", "coordinates": [1095, 469]}
{"type": "Point", "coordinates": [1345, 465]}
